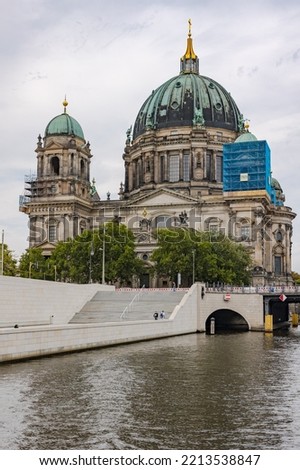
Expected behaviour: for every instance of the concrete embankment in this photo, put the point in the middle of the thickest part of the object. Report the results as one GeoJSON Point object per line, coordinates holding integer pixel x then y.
{"type": "Point", "coordinates": [42, 310]}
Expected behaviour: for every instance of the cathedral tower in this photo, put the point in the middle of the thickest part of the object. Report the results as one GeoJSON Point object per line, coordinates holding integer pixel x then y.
{"type": "Point", "coordinates": [58, 197]}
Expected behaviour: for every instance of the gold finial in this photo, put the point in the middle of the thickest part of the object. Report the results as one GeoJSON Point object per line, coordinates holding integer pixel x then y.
{"type": "Point", "coordinates": [247, 125]}
{"type": "Point", "coordinates": [190, 27]}
{"type": "Point", "coordinates": [145, 212]}
{"type": "Point", "coordinates": [189, 63]}
{"type": "Point", "coordinates": [65, 104]}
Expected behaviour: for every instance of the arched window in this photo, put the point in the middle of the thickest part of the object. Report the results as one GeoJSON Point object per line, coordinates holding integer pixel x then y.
{"type": "Point", "coordinates": [278, 259]}
{"type": "Point", "coordinates": [245, 232]}
{"type": "Point", "coordinates": [279, 236]}
{"type": "Point", "coordinates": [164, 221]}
{"type": "Point", "coordinates": [55, 166]}
{"type": "Point", "coordinates": [219, 168]}
{"type": "Point", "coordinates": [174, 168]}
{"type": "Point", "coordinates": [72, 164]}
{"type": "Point", "coordinates": [213, 225]}
{"type": "Point", "coordinates": [186, 165]}
{"type": "Point", "coordinates": [52, 231]}
{"type": "Point", "coordinates": [82, 168]}
{"type": "Point", "coordinates": [277, 265]}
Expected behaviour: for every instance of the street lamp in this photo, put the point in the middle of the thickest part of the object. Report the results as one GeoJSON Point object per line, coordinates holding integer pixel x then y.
{"type": "Point", "coordinates": [103, 256]}
{"type": "Point", "coordinates": [193, 253]}
{"type": "Point", "coordinates": [91, 254]}
{"type": "Point", "coordinates": [30, 266]}
{"type": "Point", "coordinates": [2, 254]}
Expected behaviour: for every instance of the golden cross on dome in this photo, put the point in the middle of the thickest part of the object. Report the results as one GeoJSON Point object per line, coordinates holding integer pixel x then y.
{"type": "Point", "coordinates": [190, 27]}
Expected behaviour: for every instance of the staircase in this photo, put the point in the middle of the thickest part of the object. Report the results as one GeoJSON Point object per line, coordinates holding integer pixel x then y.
{"type": "Point", "coordinates": [129, 305]}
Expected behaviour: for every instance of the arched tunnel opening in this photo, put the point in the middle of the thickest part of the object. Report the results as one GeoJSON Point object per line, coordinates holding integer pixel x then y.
{"type": "Point", "coordinates": [225, 320]}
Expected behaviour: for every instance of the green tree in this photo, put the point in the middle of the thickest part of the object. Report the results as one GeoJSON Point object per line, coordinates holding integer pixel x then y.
{"type": "Point", "coordinates": [213, 258]}
{"type": "Point", "coordinates": [34, 265]}
{"type": "Point", "coordinates": [8, 263]}
{"type": "Point", "coordinates": [80, 260]}
{"type": "Point", "coordinates": [296, 277]}
{"type": "Point", "coordinates": [60, 261]}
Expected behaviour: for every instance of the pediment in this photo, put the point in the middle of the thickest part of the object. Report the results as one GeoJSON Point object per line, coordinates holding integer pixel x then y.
{"type": "Point", "coordinates": [53, 145]}
{"type": "Point", "coordinates": [162, 197]}
{"type": "Point", "coordinates": [46, 247]}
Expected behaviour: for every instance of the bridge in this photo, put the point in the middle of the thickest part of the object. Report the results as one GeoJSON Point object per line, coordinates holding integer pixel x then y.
{"type": "Point", "coordinates": [249, 308]}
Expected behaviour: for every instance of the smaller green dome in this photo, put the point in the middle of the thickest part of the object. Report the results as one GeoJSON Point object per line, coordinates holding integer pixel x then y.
{"type": "Point", "coordinates": [64, 125]}
{"type": "Point", "coordinates": [245, 137]}
{"type": "Point", "coordinates": [275, 184]}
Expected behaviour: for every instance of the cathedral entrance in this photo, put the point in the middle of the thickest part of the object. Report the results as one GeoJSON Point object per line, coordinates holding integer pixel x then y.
{"type": "Point", "coordinates": [145, 280]}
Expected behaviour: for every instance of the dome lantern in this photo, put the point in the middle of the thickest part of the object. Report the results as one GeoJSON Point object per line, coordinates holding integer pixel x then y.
{"type": "Point", "coordinates": [188, 99]}
{"type": "Point", "coordinates": [189, 63]}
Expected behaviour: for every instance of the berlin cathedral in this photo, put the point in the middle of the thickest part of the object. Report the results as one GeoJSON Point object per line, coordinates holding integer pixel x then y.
{"type": "Point", "coordinates": [189, 161]}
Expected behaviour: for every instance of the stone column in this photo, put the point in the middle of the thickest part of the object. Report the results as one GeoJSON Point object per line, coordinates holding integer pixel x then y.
{"type": "Point", "coordinates": [181, 165]}
{"type": "Point", "coordinates": [166, 167]}
{"type": "Point", "coordinates": [155, 169]}
{"type": "Point", "coordinates": [214, 165]}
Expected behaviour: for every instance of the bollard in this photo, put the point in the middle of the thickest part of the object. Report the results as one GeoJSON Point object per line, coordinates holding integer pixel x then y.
{"type": "Point", "coordinates": [268, 323]}
{"type": "Point", "coordinates": [295, 319]}
{"type": "Point", "coordinates": [212, 326]}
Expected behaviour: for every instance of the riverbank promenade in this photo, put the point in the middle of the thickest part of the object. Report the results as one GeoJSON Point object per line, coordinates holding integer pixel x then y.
{"type": "Point", "coordinates": [42, 318]}
{"type": "Point", "coordinates": [39, 318]}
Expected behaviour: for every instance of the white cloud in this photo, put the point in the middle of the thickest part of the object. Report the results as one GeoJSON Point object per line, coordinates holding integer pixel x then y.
{"type": "Point", "coordinates": [108, 57]}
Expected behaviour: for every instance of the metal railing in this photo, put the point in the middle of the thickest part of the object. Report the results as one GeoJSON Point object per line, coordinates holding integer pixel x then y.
{"type": "Point", "coordinates": [129, 306]}
{"type": "Point", "coordinates": [253, 289]}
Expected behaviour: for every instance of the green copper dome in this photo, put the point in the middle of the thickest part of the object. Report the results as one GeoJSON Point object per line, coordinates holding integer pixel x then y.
{"type": "Point", "coordinates": [246, 137]}
{"type": "Point", "coordinates": [275, 184]}
{"type": "Point", "coordinates": [185, 100]}
{"type": "Point", "coordinates": [188, 99]}
{"type": "Point", "coordinates": [64, 124]}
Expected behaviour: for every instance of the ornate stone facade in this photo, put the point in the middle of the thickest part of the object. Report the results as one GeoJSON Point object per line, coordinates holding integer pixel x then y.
{"type": "Point", "coordinates": [173, 160]}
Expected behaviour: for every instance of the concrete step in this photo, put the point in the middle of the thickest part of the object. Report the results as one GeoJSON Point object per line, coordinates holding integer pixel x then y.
{"type": "Point", "coordinates": [110, 306]}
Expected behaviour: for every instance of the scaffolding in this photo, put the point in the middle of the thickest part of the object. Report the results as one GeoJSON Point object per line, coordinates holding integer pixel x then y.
{"type": "Point", "coordinates": [247, 166]}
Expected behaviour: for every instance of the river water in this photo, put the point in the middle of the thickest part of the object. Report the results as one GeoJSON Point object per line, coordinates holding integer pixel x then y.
{"type": "Point", "coordinates": [228, 391]}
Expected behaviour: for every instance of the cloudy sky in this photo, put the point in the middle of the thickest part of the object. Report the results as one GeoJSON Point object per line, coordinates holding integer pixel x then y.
{"type": "Point", "coordinates": [107, 57]}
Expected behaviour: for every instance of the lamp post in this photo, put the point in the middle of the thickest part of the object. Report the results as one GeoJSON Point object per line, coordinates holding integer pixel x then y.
{"type": "Point", "coordinates": [103, 256]}
{"type": "Point", "coordinates": [2, 254]}
{"type": "Point", "coordinates": [91, 254]}
{"type": "Point", "coordinates": [30, 265]}
{"type": "Point", "coordinates": [193, 253]}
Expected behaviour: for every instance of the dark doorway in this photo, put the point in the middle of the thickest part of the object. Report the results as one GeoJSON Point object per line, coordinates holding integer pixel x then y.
{"type": "Point", "coordinates": [55, 166]}
{"type": "Point", "coordinates": [145, 280]}
{"type": "Point", "coordinates": [227, 320]}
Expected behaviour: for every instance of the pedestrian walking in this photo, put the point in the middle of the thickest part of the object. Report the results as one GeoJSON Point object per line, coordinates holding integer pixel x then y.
{"type": "Point", "coordinates": [162, 314]}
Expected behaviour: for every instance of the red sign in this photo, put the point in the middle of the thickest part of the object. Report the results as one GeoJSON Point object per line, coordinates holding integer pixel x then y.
{"type": "Point", "coordinates": [227, 296]}
{"type": "Point", "coordinates": [282, 297]}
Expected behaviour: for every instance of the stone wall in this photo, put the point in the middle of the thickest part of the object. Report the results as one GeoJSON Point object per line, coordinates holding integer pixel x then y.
{"type": "Point", "coordinates": [23, 300]}
{"type": "Point", "coordinates": [33, 341]}
{"type": "Point", "coordinates": [33, 302]}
